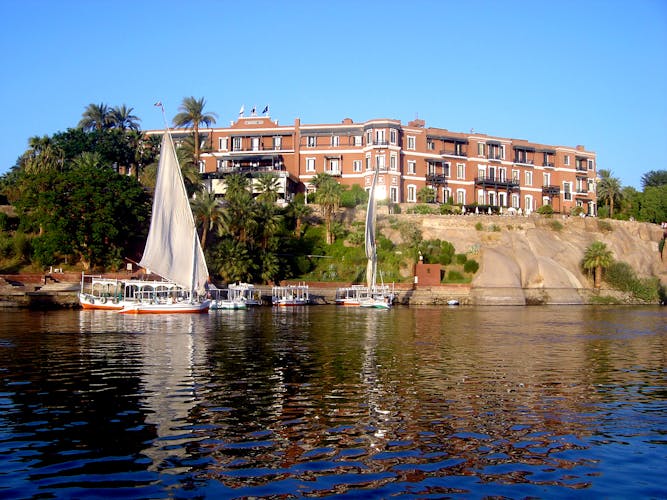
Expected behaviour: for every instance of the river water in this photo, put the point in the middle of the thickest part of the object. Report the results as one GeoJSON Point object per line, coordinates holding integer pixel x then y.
{"type": "Point", "coordinates": [419, 402]}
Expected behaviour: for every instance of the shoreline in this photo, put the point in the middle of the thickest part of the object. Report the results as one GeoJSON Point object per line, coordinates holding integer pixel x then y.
{"type": "Point", "coordinates": [54, 292]}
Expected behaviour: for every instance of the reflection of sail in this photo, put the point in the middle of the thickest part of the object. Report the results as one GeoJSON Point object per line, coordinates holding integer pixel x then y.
{"type": "Point", "coordinates": [169, 390]}
{"type": "Point", "coordinates": [377, 413]}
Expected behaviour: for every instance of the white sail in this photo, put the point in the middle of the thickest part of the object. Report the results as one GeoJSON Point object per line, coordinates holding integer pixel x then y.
{"type": "Point", "coordinates": [371, 252]}
{"type": "Point", "coordinates": [172, 248]}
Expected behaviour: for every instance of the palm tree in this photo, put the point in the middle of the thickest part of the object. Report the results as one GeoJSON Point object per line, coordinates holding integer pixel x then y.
{"type": "Point", "coordinates": [96, 117]}
{"type": "Point", "coordinates": [299, 212]}
{"type": "Point", "coordinates": [596, 258]}
{"type": "Point", "coordinates": [42, 156]}
{"type": "Point", "coordinates": [207, 212]}
{"type": "Point", "coordinates": [122, 118]}
{"type": "Point", "coordinates": [88, 159]}
{"type": "Point", "coordinates": [609, 189]}
{"type": "Point", "coordinates": [192, 115]}
{"type": "Point", "coordinates": [328, 197]}
{"type": "Point", "coordinates": [267, 185]}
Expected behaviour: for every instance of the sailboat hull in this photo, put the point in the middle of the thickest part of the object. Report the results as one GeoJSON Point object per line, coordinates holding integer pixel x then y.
{"type": "Point", "coordinates": [175, 308]}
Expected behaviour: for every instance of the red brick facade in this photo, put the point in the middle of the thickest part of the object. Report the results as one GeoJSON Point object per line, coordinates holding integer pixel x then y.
{"type": "Point", "coordinates": [465, 168]}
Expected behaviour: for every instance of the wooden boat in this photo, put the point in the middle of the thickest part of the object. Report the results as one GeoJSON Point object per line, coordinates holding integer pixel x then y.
{"type": "Point", "coordinates": [290, 295]}
{"type": "Point", "coordinates": [173, 250]}
{"type": "Point", "coordinates": [370, 295]}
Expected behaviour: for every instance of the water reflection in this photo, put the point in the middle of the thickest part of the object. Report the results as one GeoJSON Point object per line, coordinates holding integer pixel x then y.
{"type": "Point", "coordinates": [322, 400]}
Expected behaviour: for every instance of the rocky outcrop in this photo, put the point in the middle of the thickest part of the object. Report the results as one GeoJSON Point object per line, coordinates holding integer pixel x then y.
{"type": "Point", "coordinates": [537, 259]}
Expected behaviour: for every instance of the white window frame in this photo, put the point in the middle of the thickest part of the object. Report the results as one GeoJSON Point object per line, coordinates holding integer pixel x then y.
{"type": "Point", "coordinates": [528, 200]}
{"type": "Point", "coordinates": [528, 176]}
{"type": "Point", "coordinates": [591, 164]}
{"type": "Point", "coordinates": [334, 166]}
{"type": "Point", "coordinates": [460, 170]}
{"type": "Point", "coordinates": [335, 141]}
{"type": "Point", "coordinates": [481, 148]}
{"type": "Point", "coordinates": [567, 190]}
{"type": "Point", "coordinates": [412, 142]}
{"type": "Point", "coordinates": [277, 142]}
{"type": "Point", "coordinates": [311, 141]}
{"type": "Point", "coordinates": [393, 162]}
{"type": "Point", "coordinates": [254, 143]}
{"type": "Point", "coordinates": [412, 167]}
{"type": "Point", "coordinates": [461, 196]}
{"type": "Point", "coordinates": [566, 160]}
{"type": "Point", "coordinates": [310, 165]}
{"type": "Point", "coordinates": [237, 143]}
{"type": "Point", "coordinates": [358, 141]}
{"type": "Point", "coordinates": [412, 193]}
{"type": "Point", "coordinates": [393, 194]}
{"type": "Point", "coordinates": [516, 201]}
{"type": "Point", "coordinates": [222, 143]}
{"type": "Point", "coordinates": [380, 162]}
{"type": "Point", "coordinates": [481, 197]}
{"type": "Point", "coordinates": [393, 136]}
{"type": "Point", "coordinates": [356, 165]}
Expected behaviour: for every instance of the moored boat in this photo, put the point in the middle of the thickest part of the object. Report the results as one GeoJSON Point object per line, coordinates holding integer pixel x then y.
{"type": "Point", "coordinates": [290, 295]}
{"type": "Point", "coordinates": [173, 250]}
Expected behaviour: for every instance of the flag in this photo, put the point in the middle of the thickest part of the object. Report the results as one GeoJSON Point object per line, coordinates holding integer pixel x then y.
{"type": "Point", "coordinates": [253, 110]}
{"type": "Point", "coordinates": [158, 104]}
{"type": "Point", "coordinates": [242, 109]}
{"type": "Point", "coordinates": [265, 110]}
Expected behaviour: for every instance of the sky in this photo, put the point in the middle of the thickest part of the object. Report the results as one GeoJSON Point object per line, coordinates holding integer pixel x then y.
{"type": "Point", "coordinates": [565, 73]}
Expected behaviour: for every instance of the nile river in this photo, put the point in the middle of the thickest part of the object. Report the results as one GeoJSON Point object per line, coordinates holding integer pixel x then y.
{"type": "Point", "coordinates": [419, 402]}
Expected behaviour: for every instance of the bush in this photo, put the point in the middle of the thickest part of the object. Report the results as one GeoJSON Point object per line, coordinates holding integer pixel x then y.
{"type": "Point", "coordinates": [461, 258]}
{"type": "Point", "coordinates": [4, 221]}
{"type": "Point", "coordinates": [604, 226]}
{"type": "Point", "coordinates": [455, 277]}
{"type": "Point", "coordinates": [577, 211]}
{"type": "Point", "coordinates": [622, 277]}
{"type": "Point", "coordinates": [479, 226]}
{"type": "Point", "coordinates": [556, 225]}
{"type": "Point", "coordinates": [471, 266]}
{"type": "Point", "coordinates": [545, 210]}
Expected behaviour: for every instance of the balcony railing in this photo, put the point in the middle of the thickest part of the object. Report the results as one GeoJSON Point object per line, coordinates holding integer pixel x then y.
{"type": "Point", "coordinates": [436, 179]}
{"type": "Point", "coordinates": [453, 153]}
{"type": "Point", "coordinates": [524, 161]}
{"type": "Point", "coordinates": [551, 190]}
{"type": "Point", "coordinates": [491, 181]}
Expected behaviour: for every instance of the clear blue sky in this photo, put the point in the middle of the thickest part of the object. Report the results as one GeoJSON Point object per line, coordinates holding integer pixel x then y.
{"type": "Point", "coordinates": [557, 72]}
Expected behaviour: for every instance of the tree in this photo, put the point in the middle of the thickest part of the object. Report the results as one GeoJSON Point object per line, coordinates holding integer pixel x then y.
{"type": "Point", "coordinates": [42, 155]}
{"type": "Point", "coordinates": [596, 258]}
{"type": "Point", "coordinates": [328, 196]}
{"type": "Point", "coordinates": [96, 117]}
{"type": "Point", "coordinates": [426, 195]}
{"type": "Point", "coordinates": [121, 117]}
{"type": "Point", "coordinates": [654, 178]}
{"type": "Point", "coordinates": [298, 212]}
{"type": "Point", "coordinates": [192, 115]}
{"type": "Point", "coordinates": [267, 185]}
{"type": "Point", "coordinates": [207, 212]}
{"type": "Point", "coordinates": [609, 190]}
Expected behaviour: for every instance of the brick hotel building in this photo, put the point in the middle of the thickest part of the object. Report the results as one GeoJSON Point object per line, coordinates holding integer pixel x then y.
{"type": "Point", "coordinates": [461, 167]}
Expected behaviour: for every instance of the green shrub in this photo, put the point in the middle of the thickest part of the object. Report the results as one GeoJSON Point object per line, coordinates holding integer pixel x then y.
{"type": "Point", "coordinates": [545, 210]}
{"type": "Point", "coordinates": [455, 277]}
{"type": "Point", "coordinates": [479, 226]}
{"type": "Point", "coordinates": [4, 221]}
{"type": "Point", "coordinates": [471, 266]}
{"type": "Point", "coordinates": [605, 226]}
{"type": "Point", "coordinates": [556, 225]}
{"type": "Point", "coordinates": [461, 258]}
{"type": "Point", "coordinates": [622, 277]}
{"type": "Point", "coordinates": [577, 211]}
{"type": "Point", "coordinates": [495, 228]}
{"type": "Point", "coordinates": [420, 209]}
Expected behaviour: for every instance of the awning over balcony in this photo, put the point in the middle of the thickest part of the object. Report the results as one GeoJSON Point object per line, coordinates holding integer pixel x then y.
{"type": "Point", "coordinates": [447, 138]}
{"type": "Point", "coordinates": [524, 148]}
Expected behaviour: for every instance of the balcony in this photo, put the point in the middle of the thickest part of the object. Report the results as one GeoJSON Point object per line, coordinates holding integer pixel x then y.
{"type": "Point", "coordinates": [436, 179]}
{"type": "Point", "coordinates": [551, 190]}
{"type": "Point", "coordinates": [495, 182]}
{"type": "Point", "coordinates": [524, 161]}
{"type": "Point", "coordinates": [548, 164]}
{"type": "Point", "coordinates": [460, 153]}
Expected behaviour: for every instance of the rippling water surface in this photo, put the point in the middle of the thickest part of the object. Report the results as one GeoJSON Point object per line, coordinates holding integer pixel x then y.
{"type": "Point", "coordinates": [425, 402]}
